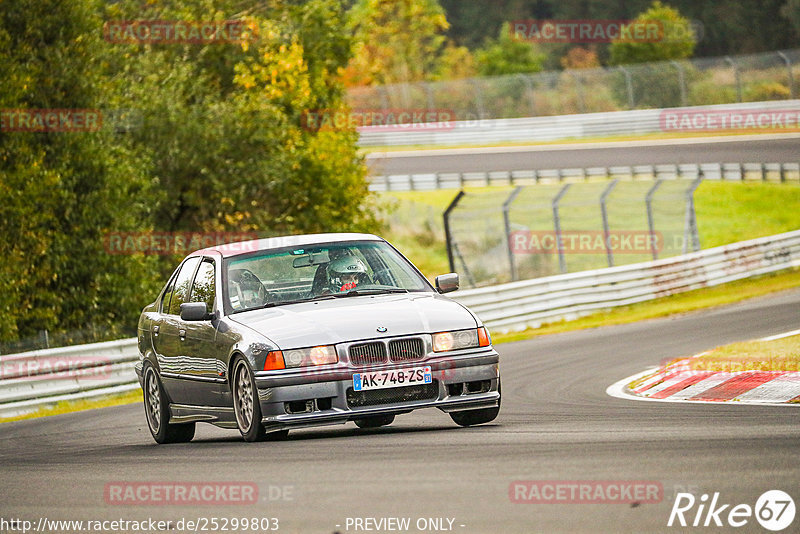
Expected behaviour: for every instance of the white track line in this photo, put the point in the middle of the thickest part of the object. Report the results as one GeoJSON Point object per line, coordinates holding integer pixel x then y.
{"type": "Point", "coordinates": [781, 336]}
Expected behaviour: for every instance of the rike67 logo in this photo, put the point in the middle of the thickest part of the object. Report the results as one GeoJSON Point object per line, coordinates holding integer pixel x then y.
{"type": "Point", "coordinates": [774, 510]}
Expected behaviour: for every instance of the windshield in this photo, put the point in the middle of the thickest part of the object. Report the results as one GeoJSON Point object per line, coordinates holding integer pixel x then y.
{"type": "Point", "coordinates": [337, 270]}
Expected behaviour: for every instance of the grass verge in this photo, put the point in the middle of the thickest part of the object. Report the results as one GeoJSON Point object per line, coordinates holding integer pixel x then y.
{"type": "Point", "coordinates": [117, 399]}
{"type": "Point", "coordinates": [777, 355]}
{"type": "Point", "coordinates": [672, 305]}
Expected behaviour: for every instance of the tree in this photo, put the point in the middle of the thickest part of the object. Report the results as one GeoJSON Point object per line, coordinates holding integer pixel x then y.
{"type": "Point", "coordinates": [456, 62]}
{"type": "Point", "coordinates": [676, 39]}
{"type": "Point", "coordinates": [654, 83]}
{"type": "Point", "coordinates": [64, 190]}
{"type": "Point", "coordinates": [395, 40]}
{"type": "Point", "coordinates": [221, 145]}
{"type": "Point", "coordinates": [791, 12]}
{"type": "Point", "coordinates": [506, 55]}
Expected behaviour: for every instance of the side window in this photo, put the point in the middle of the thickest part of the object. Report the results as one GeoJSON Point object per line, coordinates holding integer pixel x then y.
{"type": "Point", "coordinates": [182, 283]}
{"type": "Point", "coordinates": [203, 287]}
{"type": "Point", "coordinates": [168, 293]}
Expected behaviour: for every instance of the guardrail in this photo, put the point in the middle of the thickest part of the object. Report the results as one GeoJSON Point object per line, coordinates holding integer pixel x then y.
{"type": "Point", "coordinates": [530, 303]}
{"type": "Point", "coordinates": [735, 172]}
{"type": "Point", "coordinates": [553, 128]}
{"type": "Point", "coordinates": [39, 378]}
{"type": "Point", "coordinates": [34, 379]}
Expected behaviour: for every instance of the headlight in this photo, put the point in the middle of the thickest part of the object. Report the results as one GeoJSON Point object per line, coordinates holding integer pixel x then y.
{"type": "Point", "coordinates": [322, 355]}
{"type": "Point", "coordinates": [461, 339]}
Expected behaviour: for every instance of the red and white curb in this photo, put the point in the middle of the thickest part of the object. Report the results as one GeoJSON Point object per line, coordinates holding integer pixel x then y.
{"type": "Point", "coordinates": [678, 382]}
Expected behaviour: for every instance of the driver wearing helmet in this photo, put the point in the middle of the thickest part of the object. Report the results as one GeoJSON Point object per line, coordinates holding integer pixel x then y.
{"type": "Point", "coordinates": [345, 273]}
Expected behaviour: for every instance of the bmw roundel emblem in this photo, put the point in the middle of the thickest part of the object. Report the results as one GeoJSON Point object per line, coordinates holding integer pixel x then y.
{"type": "Point", "coordinates": [382, 329]}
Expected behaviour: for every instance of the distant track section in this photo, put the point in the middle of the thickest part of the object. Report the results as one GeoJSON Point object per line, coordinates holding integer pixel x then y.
{"type": "Point", "coordinates": [776, 148]}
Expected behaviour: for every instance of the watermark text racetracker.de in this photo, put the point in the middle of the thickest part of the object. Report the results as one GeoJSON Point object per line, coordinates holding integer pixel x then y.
{"type": "Point", "coordinates": [51, 120]}
{"type": "Point", "coordinates": [585, 242]}
{"type": "Point", "coordinates": [179, 32]}
{"type": "Point", "coordinates": [176, 243]}
{"type": "Point", "coordinates": [717, 119]}
{"type": "Point", "coordinates": [150, 493]}
{"type": "Point", "coordinates": [603, 31]}
{"type": "Point", "coordinates": [585, 492]}
{"type": "Point", "coordinates": [65, 367]}
{"type": "Point", "coordinates": [62, 120]}
{"type": "Point", "coordinates": [392, 119]}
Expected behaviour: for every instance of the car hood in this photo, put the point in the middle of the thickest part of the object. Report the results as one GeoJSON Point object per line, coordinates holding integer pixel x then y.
{"type": "Point", "coordinates": [326, 322]}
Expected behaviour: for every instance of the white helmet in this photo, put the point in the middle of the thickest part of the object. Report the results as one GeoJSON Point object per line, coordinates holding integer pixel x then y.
{"type": "Point", "coordinates": [346, 270]}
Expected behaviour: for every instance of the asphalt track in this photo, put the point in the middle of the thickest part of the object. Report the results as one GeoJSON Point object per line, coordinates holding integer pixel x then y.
{"type": "Point", "coordinates": [735, 149]}
{"type": "Point", "coordinates": [557, 423]}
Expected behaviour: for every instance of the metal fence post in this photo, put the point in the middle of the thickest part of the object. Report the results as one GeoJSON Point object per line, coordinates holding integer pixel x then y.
{"type": "Point", "coordinates": [681, 80]}
{"type": "Point", "coordinates": [467, 274]}
{"type": "Point", "coordinates": [384, 92]}
{"type": "Point", "coordinates": [729, 61]}
{"type": "Point", "coordinates": [529, 86]}
{"type": "Point", "coordinates": [628, 86]}
{"type": "Point", "coordinates": [579, 91]}
{"type": "Point", "coordinates": [507, 225]}
{"type": "Point", "coordinates": [478, 98]}
{"type": "Point", "coordinates": [447, 235]}
{"type": "Point", "coordinates": [428, 95]}
{"type": "Point", "coordinates": [788, 62]}
{"type": "Point", "coordinates": [604, 213]}
{"type": "Point", "coordinates": [648, 200]}
{"type": "Point", "coordinates": [562, 262]}
{"type": "Point", "coordinates": [690, 226]}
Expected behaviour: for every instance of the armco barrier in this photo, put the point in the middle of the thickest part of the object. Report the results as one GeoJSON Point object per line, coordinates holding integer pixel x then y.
{"type": "Point", "coordinates": [30, 380]}
{"type": "Point", "coordinates": [731, 172]}
{"type": "Point", "coordinates": [552, 128]}
{"type": "Point", "coordinates": [530, 303]}
{"type": "Point", "coordinates": [34, 379]}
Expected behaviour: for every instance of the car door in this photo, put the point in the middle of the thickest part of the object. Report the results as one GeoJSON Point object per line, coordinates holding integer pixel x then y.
{"type": "Point", "coordinates": [166, 332]}
{"type": "Point", "coordinates": [198, 344]}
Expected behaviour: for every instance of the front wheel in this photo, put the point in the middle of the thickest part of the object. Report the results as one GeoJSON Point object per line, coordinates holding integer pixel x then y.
{"type": "Point", "coordinates": [477, 417]}
{"type": "Point", "coordinates": [156, 408]}
{"type": "Point", "coordinates": [246, 404]}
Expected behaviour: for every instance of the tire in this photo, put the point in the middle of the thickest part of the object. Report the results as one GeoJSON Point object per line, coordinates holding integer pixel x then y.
{"type": "Point", "coordinates": [245, 403]}
{"type": "Point", "coordinates": [374, 421]}
{"type": "Point", "coordinates": [156, 409]}
{"type": "Point", "coordinates": [477, 417]}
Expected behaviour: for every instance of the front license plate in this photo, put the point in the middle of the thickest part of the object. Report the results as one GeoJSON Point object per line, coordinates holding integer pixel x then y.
{"type": "Point", "coordinates": [393, 378]}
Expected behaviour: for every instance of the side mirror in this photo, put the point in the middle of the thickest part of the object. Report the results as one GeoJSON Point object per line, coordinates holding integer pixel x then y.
{"type": "Point", "coordinates": [194, 311]}
{"type": "Point", "coordinates": [445, 283]}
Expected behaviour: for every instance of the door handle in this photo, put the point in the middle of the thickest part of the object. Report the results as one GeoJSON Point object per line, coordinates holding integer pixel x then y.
{"type": "Point", "coordinates": [182, 334]}
{"type": "Point", "coordinates": [155, 331]}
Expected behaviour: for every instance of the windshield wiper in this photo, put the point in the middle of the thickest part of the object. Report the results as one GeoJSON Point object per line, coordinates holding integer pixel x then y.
{"type": "Point", "coordinates": [370, 291]}
{"type": "Point", "coordinates": [297, 301]}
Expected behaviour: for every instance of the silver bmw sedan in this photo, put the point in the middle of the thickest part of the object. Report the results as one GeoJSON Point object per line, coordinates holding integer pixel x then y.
{"type": "Point", "coordinates": [268, 335]}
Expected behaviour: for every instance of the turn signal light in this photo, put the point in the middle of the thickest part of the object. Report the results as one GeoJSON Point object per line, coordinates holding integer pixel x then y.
{"type": "Point", "coordinates": [484, 339]}
{"type": "Point", "coordinates": [274, 361]}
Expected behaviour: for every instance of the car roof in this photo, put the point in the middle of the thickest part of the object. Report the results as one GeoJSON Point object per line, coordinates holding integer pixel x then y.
{"type": "Point", "coordinates": [244, 247]}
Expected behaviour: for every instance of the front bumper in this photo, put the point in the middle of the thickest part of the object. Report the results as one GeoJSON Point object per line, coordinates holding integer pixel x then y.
{"type": "Point", "coordinates": [461, 382]}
